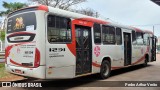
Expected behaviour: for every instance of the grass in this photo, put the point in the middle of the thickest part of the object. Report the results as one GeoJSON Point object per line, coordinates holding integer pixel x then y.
{"type": "Point", "coordinates": [3, 73]}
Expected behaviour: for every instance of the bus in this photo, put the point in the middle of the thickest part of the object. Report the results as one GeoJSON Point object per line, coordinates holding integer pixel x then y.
{"type": "Point", "coordinates": [49, 43]}
{"type": "Point", "coordinates": [152, 40]}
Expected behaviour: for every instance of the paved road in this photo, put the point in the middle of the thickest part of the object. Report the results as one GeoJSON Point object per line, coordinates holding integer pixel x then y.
{"type": "Point", "coordinates": [136, 73]}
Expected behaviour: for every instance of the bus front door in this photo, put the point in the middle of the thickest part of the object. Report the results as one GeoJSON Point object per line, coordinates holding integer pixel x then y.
{"type": "Point", "coordinates": [127, 49]}
{"type": "Point", "coordinates": [83, 49]}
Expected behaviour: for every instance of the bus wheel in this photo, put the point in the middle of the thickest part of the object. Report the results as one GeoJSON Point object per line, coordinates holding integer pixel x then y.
{"type": "Point", "coordinates": [105, 69]}
{"type": "Point", "coordinates": [145, 62]}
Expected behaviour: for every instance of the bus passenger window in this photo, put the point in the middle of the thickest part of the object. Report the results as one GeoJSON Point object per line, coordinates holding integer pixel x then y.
{"type": "Point", "coordinates": [97, 33]}
{"type": "Point", "coordinates": [118, 36]}
{"type": "Point", "coordinates": [59, 30]}
{"type": "Point", "coordinates": [108, 35]}
{"type": "Point", "coordinates": [134, 41]}
{"type": "Point", "coordinates": [139, 37]}
{"type": "Point", "coordinates": [146, 40]}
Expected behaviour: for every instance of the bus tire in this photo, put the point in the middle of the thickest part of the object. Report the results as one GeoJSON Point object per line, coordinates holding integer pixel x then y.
{"type": "Point", "coordinates": [145, 62]}
{"type": "Point", "coordinates": [105, 69]}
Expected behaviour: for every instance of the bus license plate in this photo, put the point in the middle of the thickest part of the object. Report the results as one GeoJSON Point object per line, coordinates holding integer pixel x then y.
{"type": "Point", "coordinates": [18, 71]}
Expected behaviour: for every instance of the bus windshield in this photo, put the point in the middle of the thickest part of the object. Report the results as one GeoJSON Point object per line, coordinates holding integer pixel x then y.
{"type": "Point", "coordinates": [22, 22]}
{"type": "Point", "coordinates": [21, 27]}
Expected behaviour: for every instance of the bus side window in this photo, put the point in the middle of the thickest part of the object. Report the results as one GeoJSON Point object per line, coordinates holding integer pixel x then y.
{"type": "Point", "coordinates": [59, 30]}
{"type": "Point", "coordinates": [118, 36]}
{"type": "Point", "coordinates": [108, 34]}
{"type": "Point", "coordinates": [134, 41]}
{"type": "Point", "coordinates": [139, 37]}
{"type": "Point", "coordinates": [97, 33]}
{"type": "Point", "coordinates": [146, 41]}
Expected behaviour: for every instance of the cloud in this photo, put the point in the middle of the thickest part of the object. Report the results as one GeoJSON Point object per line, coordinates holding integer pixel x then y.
{"type": "Point", "coordinates": [128, 12]}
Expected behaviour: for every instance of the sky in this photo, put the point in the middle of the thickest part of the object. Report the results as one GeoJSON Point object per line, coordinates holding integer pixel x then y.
{"type": "Point", "coordinates": [139, 13]}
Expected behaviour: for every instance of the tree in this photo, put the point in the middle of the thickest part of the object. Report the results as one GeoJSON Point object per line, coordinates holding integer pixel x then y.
{"type": "Point", "coordinates": [62, 4]}
{"type": "Point", "coordinates": [11, 7]}
{"type": "Point", "coordinates": [66, 4]}
{"type": "Point", "coordinates": [2, 35]}
{"type": "Point", "coordinates": [87, 11]}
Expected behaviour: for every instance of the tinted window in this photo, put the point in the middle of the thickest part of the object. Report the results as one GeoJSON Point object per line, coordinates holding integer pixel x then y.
{"type": "Point", "coordinates": [139, 37]}
{"type": "Point", "coordinates": [97, 33]}
{"type": "Point", "coordinates": [146, 39]}
{"type": "Point", "coordinates": [118, 36]}
{"type": "Point", "coordinates": [59, 30]}
{"type": "Point", "coordinates": [22, 22]}
{"type": "Point", "coordinates": [108, 34]}
{"type": "Point", "coordinates": [134, 41]}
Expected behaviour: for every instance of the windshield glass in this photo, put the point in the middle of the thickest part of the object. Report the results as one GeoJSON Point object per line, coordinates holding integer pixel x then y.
{"type": "Point", "coordinates": [22, 22]}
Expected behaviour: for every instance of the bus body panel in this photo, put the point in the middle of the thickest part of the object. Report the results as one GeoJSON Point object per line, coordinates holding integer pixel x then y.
{"type": "Point", "coordinates": [28, 72]}
{"type": "Point", "coordinates": [43, 59]}
{"type": "Point", "coordinates": [22, 56]}
{"type": "Point", "coordinates": [59, 64]}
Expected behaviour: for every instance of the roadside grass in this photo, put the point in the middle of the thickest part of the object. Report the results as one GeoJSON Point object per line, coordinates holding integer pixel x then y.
{"type": "Point", "coordinates": [5, 76]}
{"type": "Point", "coordinates": [3, 73]}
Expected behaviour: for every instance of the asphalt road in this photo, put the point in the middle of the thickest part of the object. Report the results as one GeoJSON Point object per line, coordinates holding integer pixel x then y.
{"type": "Point", "coordinates": [135, 73]}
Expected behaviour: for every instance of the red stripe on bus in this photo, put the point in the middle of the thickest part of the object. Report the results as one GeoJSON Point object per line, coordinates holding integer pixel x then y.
{"type": "Point", "coordinates": [95, 64]}
{"type": "Point", "coordinates": [72, 49]}
{"type": "Point", "coordinates": [150, 32]}
{"type": "Point", "coordinates": [15, 63]}
{"type": "Point", "coordinates": [8, 48]}
{"type": "Point", "coordinates": [42, 7]}
{"type": "Point", "coordinates": [139, 60]}
{"type": "Point", "coordinates": [19, 33]}
{"type": "Point", "coordinates": [94, 20]}
{"type": "Point", "coordinates": [72, 46]}
{"type": "Point", "coordinates": [37, 58]}
{"type": "Point", "coordinates": [137, 29]}
{"type": "Point", "coordinates": [36, 61]}
{"type": "Point", "coordinates": [7, 52]}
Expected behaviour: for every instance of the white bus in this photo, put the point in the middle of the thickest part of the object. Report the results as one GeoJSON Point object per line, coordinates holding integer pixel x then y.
{"type": "Point", "coordinates": [152, 40]}
{"type": "Point", "coordinates": [49, 43]}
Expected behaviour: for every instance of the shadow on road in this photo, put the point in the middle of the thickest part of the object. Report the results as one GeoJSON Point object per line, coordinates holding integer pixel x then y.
{"type": "Point", "coordinates": [86, 81]}
{"type": "Point", "coordinates": [128, 69]}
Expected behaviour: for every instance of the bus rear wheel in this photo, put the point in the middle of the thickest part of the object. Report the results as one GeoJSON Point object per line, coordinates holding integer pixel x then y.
{"type": "Point", "coordinates": [105, 69]}
{"type": "Point", "coordinates": [145, 62]}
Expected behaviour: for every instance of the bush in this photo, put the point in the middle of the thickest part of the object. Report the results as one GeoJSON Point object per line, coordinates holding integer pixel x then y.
{"type": "Point", "coordinates": [2, 35]}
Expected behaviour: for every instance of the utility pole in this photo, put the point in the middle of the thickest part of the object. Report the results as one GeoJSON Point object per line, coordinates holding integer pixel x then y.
{"type": "Point", "coordinates": [96, 14]}
{"type": "Point", "coordinates": [47, 2]}
{"type": "Point", "coordinates": [153, 29]}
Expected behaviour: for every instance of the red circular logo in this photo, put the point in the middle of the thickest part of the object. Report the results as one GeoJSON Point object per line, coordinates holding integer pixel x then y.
{"type": "Point", "coordinates": [97, 51]}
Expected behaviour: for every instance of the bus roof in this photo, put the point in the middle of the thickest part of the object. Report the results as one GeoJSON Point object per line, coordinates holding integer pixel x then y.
{"type": "Point", "coordinates": [31, 8]}
{"type": "Point", "coordinates": [73, 15]}
{"type": "Point", "coordinates": [137, 29]}
{"type": "Point", "coordinates": [150, 32]}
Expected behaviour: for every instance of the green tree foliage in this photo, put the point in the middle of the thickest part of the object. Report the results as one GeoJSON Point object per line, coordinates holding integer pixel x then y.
{"type": "Point", "coordinates": [10, 7]}
{"type": "Point", "coordinates": [2, 35]}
